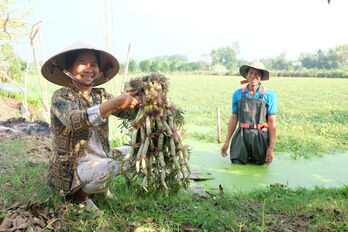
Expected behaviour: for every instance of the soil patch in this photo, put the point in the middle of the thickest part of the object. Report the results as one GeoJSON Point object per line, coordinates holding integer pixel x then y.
{"type": "Point", "coordinates": [9, 108]}
{"type": "Point", "coordinates": [37, 134]}
{"type": "Point", "coordinates": [22, 127]}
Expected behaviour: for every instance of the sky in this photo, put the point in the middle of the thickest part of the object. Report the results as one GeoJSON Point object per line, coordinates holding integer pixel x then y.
{"type": "Point", "coordinates": [262, 28]}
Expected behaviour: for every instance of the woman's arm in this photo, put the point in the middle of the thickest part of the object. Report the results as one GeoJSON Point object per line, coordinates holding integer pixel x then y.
{"type": "Point", "coordinates": [125, 101]}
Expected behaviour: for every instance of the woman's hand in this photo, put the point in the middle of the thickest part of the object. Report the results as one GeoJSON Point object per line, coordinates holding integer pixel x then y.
{"type": "Point", "coordinates": [127, 101]}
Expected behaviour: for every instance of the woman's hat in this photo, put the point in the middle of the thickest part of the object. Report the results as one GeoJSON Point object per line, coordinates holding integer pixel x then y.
{"type": "Point", "coordinates": [54, 69]}
{"type": "Point", "coordinates": [243, 70]}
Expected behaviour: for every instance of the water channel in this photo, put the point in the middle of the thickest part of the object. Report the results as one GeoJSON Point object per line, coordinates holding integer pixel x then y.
{"type": "Point", "coordinates": [327, 171]}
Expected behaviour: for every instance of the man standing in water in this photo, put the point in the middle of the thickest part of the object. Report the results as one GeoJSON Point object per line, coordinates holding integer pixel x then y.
{"type": "Point", "coordinates": [255, 108]}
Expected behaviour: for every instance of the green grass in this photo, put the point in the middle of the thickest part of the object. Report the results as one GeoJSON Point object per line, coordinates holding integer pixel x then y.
{"type": "Point", "coordinates": [216, 213]}
{"type": "Point", "coordinates": [22, 173]}
{"type": "Point", "coordinates": [33, 101]}
{"type": "Point", "coordinates": [277, 208]}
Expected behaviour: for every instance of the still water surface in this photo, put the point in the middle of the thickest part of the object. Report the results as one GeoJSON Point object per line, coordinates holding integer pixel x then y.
{"type": "Point", "coordinates": [327, 171]}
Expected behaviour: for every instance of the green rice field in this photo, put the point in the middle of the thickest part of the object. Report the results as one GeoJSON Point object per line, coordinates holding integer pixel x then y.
{"type": "Point", "coordinates": [312, 112]}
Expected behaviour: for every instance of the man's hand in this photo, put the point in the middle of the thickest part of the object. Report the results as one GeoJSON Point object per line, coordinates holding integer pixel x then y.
{"type": "Point", "coordinates": [232, 123]}
{"type": "Point", "coordinates": [224, 150]}
{"type": "Point", "coordinates": [269, 155]}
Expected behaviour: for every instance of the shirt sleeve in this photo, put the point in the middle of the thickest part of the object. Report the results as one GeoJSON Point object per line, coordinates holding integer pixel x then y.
{"type": "Point", "coordinates": [235, 98]}
{"type": "Point", "coordinates": [65, 108]}
{"type": "Point", "coordinates": [271, 102]}
{"type": "Point", "coordinates": [94, 116]}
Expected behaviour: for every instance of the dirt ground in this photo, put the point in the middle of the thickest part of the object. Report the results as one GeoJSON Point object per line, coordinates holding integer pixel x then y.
{"type": "Point", "coordinates": [33, 216]}
{"type": "Point", "coordinates": [21, 127]}
{"type": "Point", "coordinates": [9, 108]}
{"type": "Point", "coordinates": [13, 126]}
{"type": "Point", "coordinates": [11, 122]}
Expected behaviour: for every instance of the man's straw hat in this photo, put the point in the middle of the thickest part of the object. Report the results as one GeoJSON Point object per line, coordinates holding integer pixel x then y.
{"type": "Point", "coordinates": [54, 69]}
{"type": "Point", "coordinates": [243, 70]}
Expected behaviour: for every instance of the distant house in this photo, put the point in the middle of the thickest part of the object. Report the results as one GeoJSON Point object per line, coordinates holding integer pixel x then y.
{"type": "Point", "coordinates": [11, 88]}
{"type": "Point", "coordinates": [218, 68]}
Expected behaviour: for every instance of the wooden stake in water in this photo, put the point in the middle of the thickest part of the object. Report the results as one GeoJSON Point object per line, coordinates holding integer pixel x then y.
{"type": "Point", "coordinates": [218, 122]}
{"type": "Point", "coordinates": [126, 69]}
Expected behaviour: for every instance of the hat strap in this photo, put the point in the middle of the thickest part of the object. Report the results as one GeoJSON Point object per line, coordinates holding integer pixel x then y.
{"type": "Point", "coordinates": [69, 74]}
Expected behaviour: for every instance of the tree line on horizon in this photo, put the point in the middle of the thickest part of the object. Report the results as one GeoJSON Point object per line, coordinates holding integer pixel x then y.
{"type": "Point", "coordinates": [323, 63]}
{"type": "Point", "coordinates": [222, 61]}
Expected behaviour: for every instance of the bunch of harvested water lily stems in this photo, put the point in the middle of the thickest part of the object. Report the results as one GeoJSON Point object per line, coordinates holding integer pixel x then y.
{"type": "Point", "coordinates": [159, 156]}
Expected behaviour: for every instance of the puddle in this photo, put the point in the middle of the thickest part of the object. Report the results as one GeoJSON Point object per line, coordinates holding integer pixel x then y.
{"type": "Point", "coordinates": [327, 171]}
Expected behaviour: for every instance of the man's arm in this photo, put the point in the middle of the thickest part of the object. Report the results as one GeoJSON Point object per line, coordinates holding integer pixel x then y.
{"type": "Point", "coordinates": [272, 130]}
{"type": "Point", "coordinates": [232, 124]}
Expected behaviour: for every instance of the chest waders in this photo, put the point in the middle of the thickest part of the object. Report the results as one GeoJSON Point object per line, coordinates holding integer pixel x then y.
{"type": "Point", "coordinates": [251, 140]}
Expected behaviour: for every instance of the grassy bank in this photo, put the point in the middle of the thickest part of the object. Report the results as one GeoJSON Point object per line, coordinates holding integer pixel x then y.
{"type": "Point", "coordinates": [277, 208]}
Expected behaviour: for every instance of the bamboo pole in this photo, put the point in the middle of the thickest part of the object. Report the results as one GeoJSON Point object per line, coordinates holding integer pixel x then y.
{"type": "Point", "coordinates": [24, 108]}
{"type": "Point", "coordinates": [9, 79]}
{"type": "Point", "coordinates": [41, 49]}
{"type": "Point", "coordinates": [34, 32]}
{"type": "Point", "coordinates": [109, 47]}
{"type": "Point", "coordinates": [126, 68]}
{"type": "Point", "coordinates": [115, 82]}
{"type": "Point", "coordinates": [113, 27]}
{"type": "Point", "coordinates": [218, 123]}
{"type": "Point", "coordinates": [106, 27]}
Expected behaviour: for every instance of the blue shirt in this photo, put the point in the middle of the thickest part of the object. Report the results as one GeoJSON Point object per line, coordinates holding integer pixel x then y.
{"type": "Point", "coordinates": [269, 97]}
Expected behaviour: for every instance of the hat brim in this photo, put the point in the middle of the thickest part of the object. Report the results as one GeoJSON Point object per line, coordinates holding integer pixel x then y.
{"type": "Point", "coordinates": [243, 71]}
{"type": "Point", "coordinates": [108, 66]}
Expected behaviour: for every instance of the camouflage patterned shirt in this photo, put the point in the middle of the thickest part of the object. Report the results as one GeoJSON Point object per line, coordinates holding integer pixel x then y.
{"type": "Point", "coordinates": [71, 131]}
